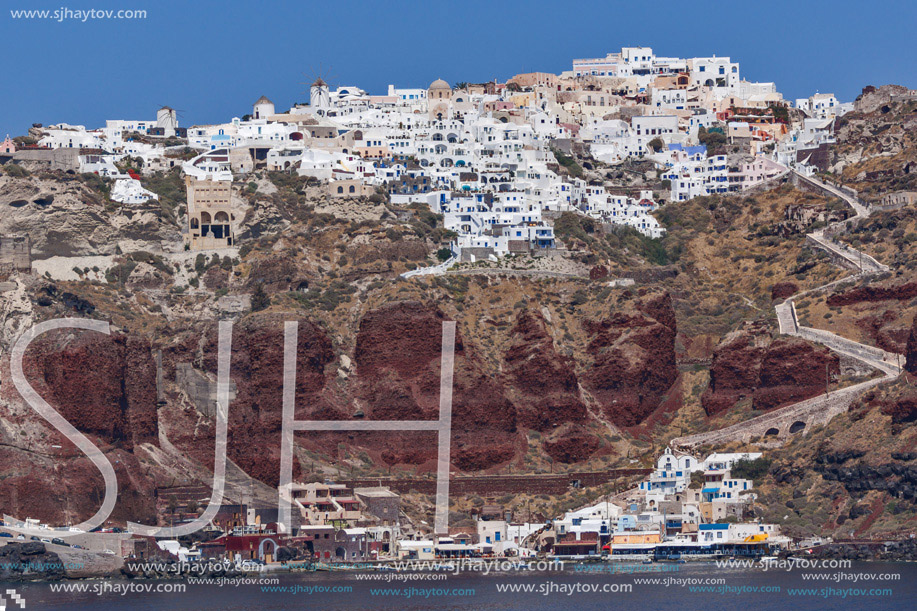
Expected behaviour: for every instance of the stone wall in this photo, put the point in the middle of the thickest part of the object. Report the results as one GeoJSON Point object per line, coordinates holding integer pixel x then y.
{"type": "Point", "coordinates": [15, 255]}
{"type": "Point", "coordinates": [490, 485]}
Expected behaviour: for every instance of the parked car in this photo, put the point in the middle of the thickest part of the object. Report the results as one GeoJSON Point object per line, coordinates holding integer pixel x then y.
{"type": "Point", "coordinates": [34, 538]}
{"type": "Point", "coordinates": [6, 535]}
{"type": "Point", "coordinates": [58, 541]}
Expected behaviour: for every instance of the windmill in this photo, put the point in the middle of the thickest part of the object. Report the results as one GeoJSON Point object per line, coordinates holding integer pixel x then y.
{"type": "Point", "coordinates": [167, 118]}
{"type": "Point", "coordinates": [319, 91]}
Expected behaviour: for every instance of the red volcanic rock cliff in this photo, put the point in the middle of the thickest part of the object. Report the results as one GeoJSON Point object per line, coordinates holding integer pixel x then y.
{"type": "Point", "coordinates": [397, 356]}
{"type": "Point", "coordinates": [782, 290]}
{"type": "Point", "coordinates": [106, 386]}
{"type": "Point", "coordinates": [103, 385]}
{"type": "Point", "coordinates": [541, 383]}
{"type": "Point", "coordinates": [903, 408]}
{"type": "Point", "coordinates": [255, 415]}
{"type": "Point", "coordinates": [734, 371]}
{"type": "Point", "coordinates": [873, 293]}
{"type": "Point", "coordinates": [572, 444]}
{"type": "Point", "coordinates": [773, 372]}
{"type": "Point", "coordinates": [632, 360]}
{"type": "Point", "coordinates": [793, 370]}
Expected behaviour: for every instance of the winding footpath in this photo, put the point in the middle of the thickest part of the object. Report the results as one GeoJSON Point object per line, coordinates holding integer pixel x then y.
{"type": "Point", "coordinates": [801, 416]}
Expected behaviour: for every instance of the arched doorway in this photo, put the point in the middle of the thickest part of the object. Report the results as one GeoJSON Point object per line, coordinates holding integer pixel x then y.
{"type": "Point", "coordinates": [264, 546]}
{"type": "Point", "coordinates": [797, 426]}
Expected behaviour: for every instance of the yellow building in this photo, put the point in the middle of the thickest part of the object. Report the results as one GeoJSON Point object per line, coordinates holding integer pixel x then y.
{"type": "Point", "coordinates": [639, 537]}
{"type": "Point", "coordinates": [210, 214]}
{"type": "Point", "coordinates": [439, 100]}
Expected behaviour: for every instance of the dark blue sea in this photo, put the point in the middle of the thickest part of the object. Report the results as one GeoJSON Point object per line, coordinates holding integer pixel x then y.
{"type": "Point", "coordinates": [680, 587]}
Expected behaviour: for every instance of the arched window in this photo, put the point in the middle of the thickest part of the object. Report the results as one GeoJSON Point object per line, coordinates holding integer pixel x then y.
{"type": "Point", "coordinates": [352, 189]}
{"type": "Point", "coordinates": [340, 189]}
{"type": "Point", "coordinates": [221, 217]}
{"type": "Point", "coordinates": [205, 218]}
{"type": "Point", "coordinates": [195, 224]}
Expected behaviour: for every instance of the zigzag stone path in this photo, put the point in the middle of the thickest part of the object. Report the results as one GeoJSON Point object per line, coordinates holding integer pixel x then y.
{"type": "Point", "coordinates": [801, 416]}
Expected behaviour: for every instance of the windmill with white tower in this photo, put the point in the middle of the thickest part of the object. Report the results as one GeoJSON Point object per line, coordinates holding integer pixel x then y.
{"type": "Point", "coordinates": [319, 91]}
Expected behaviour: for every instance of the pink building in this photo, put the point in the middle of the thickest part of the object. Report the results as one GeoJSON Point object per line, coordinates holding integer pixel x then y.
{"type": "Point", "coordinates": [7, 146]}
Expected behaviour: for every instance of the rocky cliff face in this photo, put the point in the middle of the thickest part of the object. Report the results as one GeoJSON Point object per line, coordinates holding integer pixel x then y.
{"type": "Point", "coordinates": [398, 355]}
{"type": "Point", "coordinates": [547, 369]}
{"type": "Point", "coordinates": [257, 371]}
{"type": "Point", "coordinates": [106, 388]}
{"type": "Point", "coordinates": [632, 360]}
{"type": "Point", "coordinates": [29, 561]}
{"type": "Point", "coordinates": [542, 384]}
{"type": "Point", "coordinates": [772, 372]}
{"type": "Point", "coordinates": [901, 292]}
{"type": "Point", "coordinates": [902, 408]}
{"type": "Point", "coordinates": [102, 385]}
{"type": "Point", "coordinates": [65, 217]}
{"type": "Point", "coordinates": [876, 146]}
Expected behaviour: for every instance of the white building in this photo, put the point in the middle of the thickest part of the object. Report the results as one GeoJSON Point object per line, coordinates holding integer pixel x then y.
{"type": "Point", "coordinates": [263, 108]}
{"type": "Point", "coordinates": [820, 105]}
{"type": "Point", "coordinates": [672, 474]}
{"type": "Point", "coordinates": [129, 191]}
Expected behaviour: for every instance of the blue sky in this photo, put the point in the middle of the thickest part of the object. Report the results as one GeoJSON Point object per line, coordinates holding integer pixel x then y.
{"type": "Point", "coordinates": [212, 60]}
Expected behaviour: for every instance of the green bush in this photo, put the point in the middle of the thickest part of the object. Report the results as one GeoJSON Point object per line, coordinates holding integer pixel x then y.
{"type": "Point", "coordinates": [260, 299]}
{"type": "Point", "coordinates": [15, 171]}
{"type": "Point", "coordinates": [754, 470]}
{"type": "Point", "coordinates": [568, 162]}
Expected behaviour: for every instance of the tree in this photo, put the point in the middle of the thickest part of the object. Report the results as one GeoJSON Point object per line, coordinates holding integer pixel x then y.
{"type": "Point", "coordinates": [781, 113]}
{"type": "Point", "coordinates": [567, 162]}
{"type": "Point", "coordinates": [713, 139]}
{"type": "Point", "coordinates": [260, 299]}
{"type": "Point", "coordinates": [443, 254]}
{"type": "Point", "coordinates": [754, 470]}
{"type": "Point", "coordinates": [656, 144]}
{"type": "Point", "coordinates": [172, 505]}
